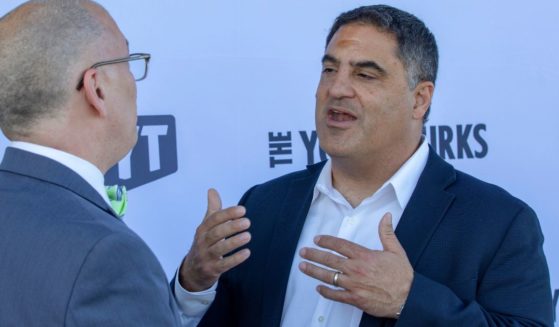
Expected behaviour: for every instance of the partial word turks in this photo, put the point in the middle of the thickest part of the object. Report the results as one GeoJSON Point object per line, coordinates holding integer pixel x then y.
{"type": "Point", "coordinates": [464, 141]}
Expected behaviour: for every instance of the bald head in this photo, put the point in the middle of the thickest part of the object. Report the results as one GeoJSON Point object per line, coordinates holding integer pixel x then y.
{"type": "Point", "coordinates": [44, 45]}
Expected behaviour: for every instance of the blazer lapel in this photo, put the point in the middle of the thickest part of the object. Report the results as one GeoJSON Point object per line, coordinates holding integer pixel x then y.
{"type": "Point", "coordinates": [427, 206]}
{"type": "Point", "coordinates": [287, 230]}
{"type": "Point", "coordinates": [32, 165]}
{"type": "Point", "coordinates": [421, 217]}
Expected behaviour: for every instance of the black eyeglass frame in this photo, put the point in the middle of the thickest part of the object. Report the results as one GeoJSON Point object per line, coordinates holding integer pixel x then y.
{"type": "Point", "coordinates": [133, 56]}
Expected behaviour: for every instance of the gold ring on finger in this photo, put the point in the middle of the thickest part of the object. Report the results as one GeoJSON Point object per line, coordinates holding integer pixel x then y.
{"type": "Point", "coordinates": [336, 278]}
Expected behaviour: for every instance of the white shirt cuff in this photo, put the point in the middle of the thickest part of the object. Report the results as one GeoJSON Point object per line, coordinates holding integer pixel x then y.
{"type": "Point", "coordinates": [194, 304]}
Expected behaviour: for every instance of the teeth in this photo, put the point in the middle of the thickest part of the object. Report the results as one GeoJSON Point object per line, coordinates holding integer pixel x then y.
{"type": "Point", "coordinates": [340, 116]}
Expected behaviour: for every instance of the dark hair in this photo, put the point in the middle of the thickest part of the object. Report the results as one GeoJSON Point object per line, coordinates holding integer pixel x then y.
{"type": "Point", "coordinates": [417, 48]}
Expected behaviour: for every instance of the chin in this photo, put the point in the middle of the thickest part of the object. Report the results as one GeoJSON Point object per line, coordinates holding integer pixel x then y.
{"type": "Point", "coordinates": [333, 150]}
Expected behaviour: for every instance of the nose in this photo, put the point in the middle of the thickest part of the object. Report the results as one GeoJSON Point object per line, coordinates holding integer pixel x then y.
{"type": "Point", "coordinates": [341, 86]}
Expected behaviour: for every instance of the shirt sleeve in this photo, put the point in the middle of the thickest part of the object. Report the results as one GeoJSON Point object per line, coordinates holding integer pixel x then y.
{"type": "Point", "coordinates": [193, 305]}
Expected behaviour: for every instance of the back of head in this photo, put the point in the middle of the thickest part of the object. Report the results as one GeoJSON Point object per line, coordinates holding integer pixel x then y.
{"type": "Point", "coordinates": [417, 48]}
{"type": "Point", "coordinates": [41, 43]}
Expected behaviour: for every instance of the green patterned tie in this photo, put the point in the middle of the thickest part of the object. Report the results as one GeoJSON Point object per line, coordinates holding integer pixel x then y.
{"type": "Point", "coordinates": [119, 199]}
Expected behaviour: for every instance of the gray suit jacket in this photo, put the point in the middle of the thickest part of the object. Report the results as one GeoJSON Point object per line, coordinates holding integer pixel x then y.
{"type": "Point", "coordinates": [66, 260]}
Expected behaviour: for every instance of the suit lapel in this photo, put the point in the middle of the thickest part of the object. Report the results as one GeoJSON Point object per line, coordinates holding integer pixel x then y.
{"type": "Point", "coordinates": [421, 217]}
{"type": "Point", "coordinates": [287, 230]}
{"type": "Point", "coordinates": [426, 208]}
{"type": "Point", "coordinates": [32, 165]}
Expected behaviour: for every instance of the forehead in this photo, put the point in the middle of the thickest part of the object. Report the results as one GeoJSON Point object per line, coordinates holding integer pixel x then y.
{"type": "Point", "coordinates": [359, 41]}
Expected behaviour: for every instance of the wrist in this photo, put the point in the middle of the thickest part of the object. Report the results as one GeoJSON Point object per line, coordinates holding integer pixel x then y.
{"type": "Point", "coordinates": [185, 280]}
{"type": "Point", "coordinates": [404, 298]}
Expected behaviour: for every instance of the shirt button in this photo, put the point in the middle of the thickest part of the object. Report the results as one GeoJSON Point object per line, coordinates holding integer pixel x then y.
{"type": "Point", "coordinates": [205, 302]}
{"type": "Point", "coordinates": [321, 319]}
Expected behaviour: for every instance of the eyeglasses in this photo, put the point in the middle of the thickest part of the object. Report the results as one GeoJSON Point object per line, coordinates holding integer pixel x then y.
{"type": "Point", "coordinates": [138, 63]}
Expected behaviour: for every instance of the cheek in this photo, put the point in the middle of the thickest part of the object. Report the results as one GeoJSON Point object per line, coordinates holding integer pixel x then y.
{"type": "Point", "coordinates": [132, 91]}
{"type": "Point", "coordinates": [319, 101]}
{"type": "Point", "coordinates": [134, 88]}
{"type": "Point", "coordinates": [324, 85]}
{"type": "Point", "coordinates": [320, 94]}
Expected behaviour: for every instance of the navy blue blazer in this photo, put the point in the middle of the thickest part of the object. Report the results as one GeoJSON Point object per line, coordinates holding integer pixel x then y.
{"type": "Point", "coordinates": [476, 251]}
{"type": "Point", "coordinates": [65, 259]}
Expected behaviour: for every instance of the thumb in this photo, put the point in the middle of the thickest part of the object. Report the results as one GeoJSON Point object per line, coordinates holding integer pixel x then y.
{"type": "Point", "coordinates": [214, 202]}
{"type": "Point", "coordinates": [387, 236]}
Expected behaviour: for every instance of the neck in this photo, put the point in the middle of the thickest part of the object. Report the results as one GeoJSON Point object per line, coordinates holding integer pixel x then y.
{"type": "Point", "coordinates": [72, 143]}
{"type": "Point", "coordinates": [359, 178]}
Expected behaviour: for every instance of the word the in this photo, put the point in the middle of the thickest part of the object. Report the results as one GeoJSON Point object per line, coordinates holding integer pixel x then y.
{"type": "Point", "coordinates": [464, 141]}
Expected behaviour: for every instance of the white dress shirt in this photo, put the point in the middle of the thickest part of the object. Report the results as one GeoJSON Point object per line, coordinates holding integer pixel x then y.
{"type": "Point", "coordinates": [330, 214]}
{"type": "Point", "coordinates": [92, 175]}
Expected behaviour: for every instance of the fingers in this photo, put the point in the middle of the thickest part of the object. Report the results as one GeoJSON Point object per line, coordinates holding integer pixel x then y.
{"type": "Point", "coordinates": [324, 275]}
{"type": "Point", "coordinates": [324, 258]}
{"type": "Point", "coordinates": [233, 260]}
{"type": "Point", "coordinates": [222, 232]}
{"type": "Point", "coordinates": [344, 247]}
{"type": "Point", "coordinates": [338, 295]}
{"type": "Point", "coordinates": [387, 236]}
{"type": "Point", "coordinates": [226, 246]}
{"type": "Point", "coordinates": [225, 230]}
{"type": "Point", "coordinates": [217, 218]}
{"type": "Point", "coordinates": [214, 202]}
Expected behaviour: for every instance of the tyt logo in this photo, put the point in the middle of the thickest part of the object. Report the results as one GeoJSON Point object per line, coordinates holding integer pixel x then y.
{"type": "Point", "coordinates": [153, 157]}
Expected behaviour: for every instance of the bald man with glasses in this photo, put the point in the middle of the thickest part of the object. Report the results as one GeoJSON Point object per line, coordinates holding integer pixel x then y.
{"type": "Point", "coordinates": [68, 106]}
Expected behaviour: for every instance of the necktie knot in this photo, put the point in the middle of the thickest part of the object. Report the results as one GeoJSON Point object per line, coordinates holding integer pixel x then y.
{"type": "Point", "coordinates": [118, 198]}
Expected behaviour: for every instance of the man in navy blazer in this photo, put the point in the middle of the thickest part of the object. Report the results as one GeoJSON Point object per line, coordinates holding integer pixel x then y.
{"type": "Point", "coordinates": [464, 252]}
{"type": "Point", "coordinates": [68, 104]}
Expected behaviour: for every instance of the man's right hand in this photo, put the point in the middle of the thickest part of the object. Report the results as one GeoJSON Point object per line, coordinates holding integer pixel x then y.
{"type": "Point", "coordinates": [206, 260]}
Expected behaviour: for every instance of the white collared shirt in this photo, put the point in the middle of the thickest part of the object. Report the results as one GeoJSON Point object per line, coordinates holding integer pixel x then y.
{"type": "Point", "coordinates": [89, 172]}
{"type": "Point", "coordinates": [329, 214]}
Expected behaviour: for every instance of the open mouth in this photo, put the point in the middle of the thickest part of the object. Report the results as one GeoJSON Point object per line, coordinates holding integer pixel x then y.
{"type": "Point", "coordinates": [340, 116]}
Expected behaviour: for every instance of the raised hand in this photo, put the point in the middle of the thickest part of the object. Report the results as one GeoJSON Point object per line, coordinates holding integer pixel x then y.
{"type": "Point", "coordinates": [221, 232]}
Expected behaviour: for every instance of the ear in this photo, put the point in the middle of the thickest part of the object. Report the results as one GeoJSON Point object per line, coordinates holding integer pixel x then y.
{"type": "Point", "coordinates": [94, 92]}
{"type": "Point", "coordinates": [423, 94]}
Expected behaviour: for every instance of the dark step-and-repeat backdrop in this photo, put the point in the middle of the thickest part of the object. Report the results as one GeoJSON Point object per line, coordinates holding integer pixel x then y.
{"type": "Point", "coordinates": [229, 102]}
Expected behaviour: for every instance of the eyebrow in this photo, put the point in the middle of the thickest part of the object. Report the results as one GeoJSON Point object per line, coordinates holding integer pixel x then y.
{"type": "Point", "coordinates": [370, 64]}
{"type": "Point", "coordinates": [360, 64]}
{"type": "Point", "coordinates": [329, 58]}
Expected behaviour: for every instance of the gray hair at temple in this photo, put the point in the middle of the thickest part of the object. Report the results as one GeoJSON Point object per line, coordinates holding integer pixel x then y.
{"type": "Point", "coordinates": [41, 43]}
{"type": "Point", "coordinates": [417, 48]}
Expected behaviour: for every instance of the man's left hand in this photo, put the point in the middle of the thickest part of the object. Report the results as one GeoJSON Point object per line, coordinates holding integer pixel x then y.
{"type": "Point", "coordinates": [377, 282]}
